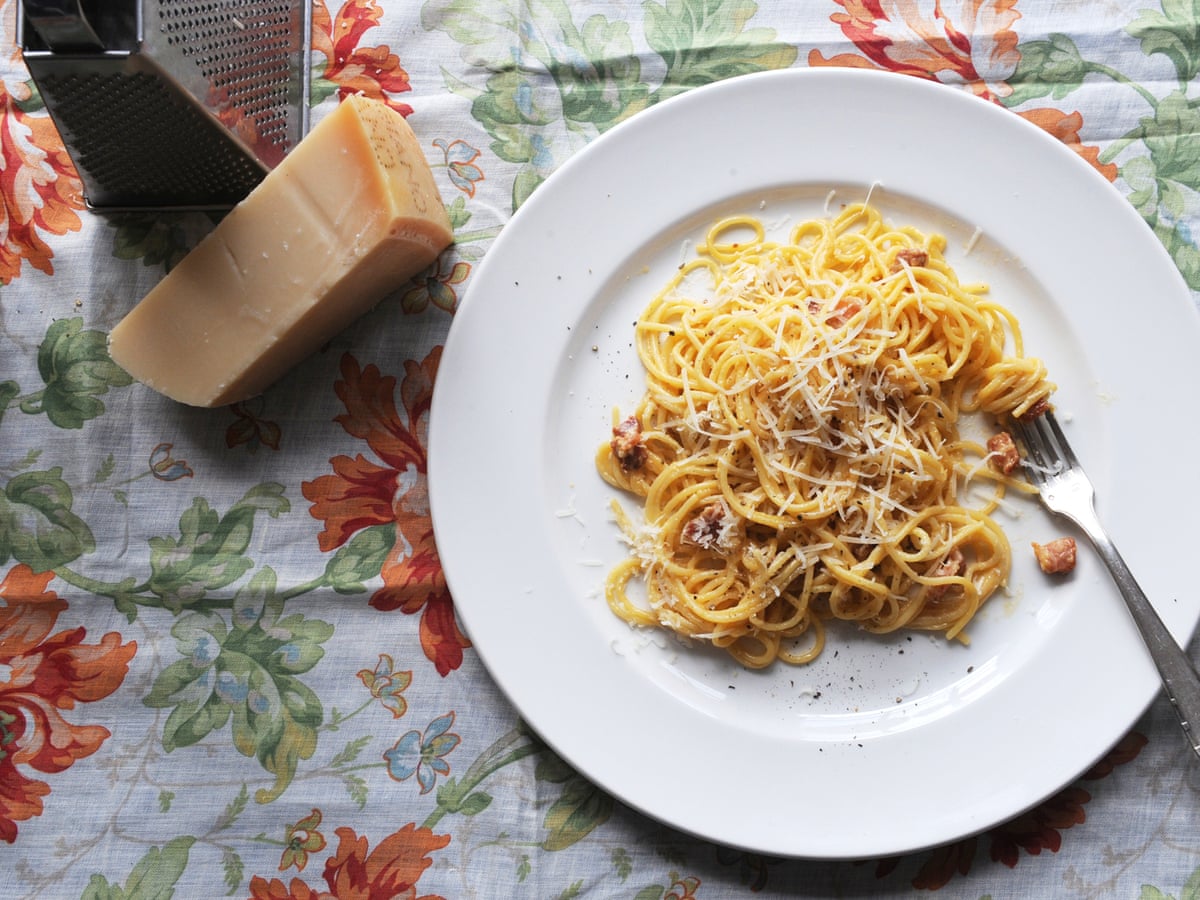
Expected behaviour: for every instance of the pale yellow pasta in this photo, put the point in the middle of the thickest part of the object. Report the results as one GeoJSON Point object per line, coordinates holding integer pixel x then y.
{"type": "Point", "coordinates": [797, 449]}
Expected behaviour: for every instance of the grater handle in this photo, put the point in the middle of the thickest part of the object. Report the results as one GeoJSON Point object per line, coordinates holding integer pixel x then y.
{"type": "Point", "coordinates": [62, 24]}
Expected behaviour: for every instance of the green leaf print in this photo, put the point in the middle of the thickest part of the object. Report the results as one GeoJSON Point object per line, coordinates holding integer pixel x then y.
{"type": "Point", "coordinates": [451, 796]}
{"type": "Point", "coordinates": [1191, 890]}
{"type": "Point", "coordinates": [37, 526]}
{"type": "Point", "coordinates": [1174, 32]}
{"type": "Point", "coordinates": [558, 83]}
{"type": "Point", "coordinates": [1051, 68]}
{"type": "Point", "coordinates": [458, 213]}
{"type": "Point", "coordinates": [34, 102]}
{"type": "Point", "coordinates": [622, 863]}
{"type": "Point", "coordinates": [1170, 136]}
{"type": "Point", "coordinates": [77, 369]}
{"type": "Point", "coordinates": [580, 809]}
{"type": "Point", "coordinates": [356, 789]}
{"type": "Point", "coordinates": [9, 391]}
{"type": "Point", "coordinates": [1183, 251]}
{"type": "Point", "coordinates": [360, 558]}
{"type": "Point", "coordinates": [703, 41]}
{"type": "Point", "coordinates": [233, 809]}
{"type": "Point", "coordinates": [153, 878]}
{"type": "Point", "coordinates": [235, 870]}
{"type": "Point", "coordinates": [246, 674]}
{"type": "Point", "coordinates": [210, 552]}
{"type": "Point", "coordinates": [1164, 186]}
{"type": "Point", "coordinates": [157, 239]}
{"type": "Point", "coordinates": [320, 87]}
{"type": "Point", "coordinates": [552, 79]}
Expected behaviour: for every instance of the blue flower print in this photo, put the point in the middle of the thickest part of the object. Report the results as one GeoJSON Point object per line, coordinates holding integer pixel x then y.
{"type": "Point", "coordinates": [423, 754]}
{"type": "Point", "coordinates": [165, 467]}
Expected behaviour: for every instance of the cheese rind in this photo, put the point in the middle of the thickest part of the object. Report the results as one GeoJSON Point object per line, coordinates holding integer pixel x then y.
{"type": "Point", "coordinates": [350, 214]}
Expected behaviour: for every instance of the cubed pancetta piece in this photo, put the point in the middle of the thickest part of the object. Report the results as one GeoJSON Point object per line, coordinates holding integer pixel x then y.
{"type": "Point", "coordinates": [843, 311]}
{"type": "Point", "coordinates": [1039, 407]}
{"type": "Point", "coordinates": [950, 566]}
{"type": "Point", "coordinates": [911, 257]}
{"type": "Point", "coordinates": [627, 445]}
{"type": "Point", "coordinates": [1056, 557]}
{"type": "Point", "coordinates": [1002, 452]}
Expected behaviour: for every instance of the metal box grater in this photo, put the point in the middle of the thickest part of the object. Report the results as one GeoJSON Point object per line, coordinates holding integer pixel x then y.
{"type": "Point", "coordinates": [171, 104]}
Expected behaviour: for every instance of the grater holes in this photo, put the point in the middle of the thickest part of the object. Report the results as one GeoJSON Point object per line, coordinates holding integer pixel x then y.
{"type": "Point", "coordinates": [241, 47]}
{"type": "Point", "coordinates": [155, 149]}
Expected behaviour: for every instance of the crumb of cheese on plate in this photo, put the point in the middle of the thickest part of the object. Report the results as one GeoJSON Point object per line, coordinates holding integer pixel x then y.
{"type": "Point", "coordinates": [349, 215]}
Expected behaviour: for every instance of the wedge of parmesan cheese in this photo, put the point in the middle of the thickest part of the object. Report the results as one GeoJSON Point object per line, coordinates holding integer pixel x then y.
{"type": "Point", "coordinates": [349, 215]}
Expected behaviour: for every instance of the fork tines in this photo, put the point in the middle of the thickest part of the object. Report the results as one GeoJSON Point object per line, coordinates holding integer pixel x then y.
{"type": "Point", "coordinates": [1047, 451]}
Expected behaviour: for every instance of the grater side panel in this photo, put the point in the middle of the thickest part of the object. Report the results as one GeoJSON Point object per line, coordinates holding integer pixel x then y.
{"type": "Point", "coordinates": [136, 142]}
{"type": "Point", "coordinates": [247, 61]}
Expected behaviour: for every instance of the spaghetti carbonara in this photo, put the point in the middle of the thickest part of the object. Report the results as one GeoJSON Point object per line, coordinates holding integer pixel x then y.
{"type": "Point", "coordinates": [797, 448]}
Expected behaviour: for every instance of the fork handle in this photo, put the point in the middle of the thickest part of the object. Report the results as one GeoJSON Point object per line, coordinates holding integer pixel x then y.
{"type": "Point", "coordinates": [1180, 681]}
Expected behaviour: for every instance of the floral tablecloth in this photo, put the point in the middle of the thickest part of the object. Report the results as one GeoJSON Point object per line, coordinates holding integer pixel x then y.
{"type": "Point", "coordinates": [229, 663]}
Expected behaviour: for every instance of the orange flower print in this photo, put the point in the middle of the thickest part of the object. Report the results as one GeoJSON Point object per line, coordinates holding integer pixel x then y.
{"type": "Point", "coordinates": [968, 42]}
{"type": "Point", "coordinates": [387, 685]}
{"type": "Point", "coordinates": [362, 493]}
{"type": "Point", "coordinates": [391, 870]}
{"type": "Point", "coordinates": [351, 69]}
{"type": "Point", "coordinates": [40, 191]}
{"type": "Point", "coordinates": [301, 840]}
{"type": "Point", "coordinates": [1065, 127]}
{"type": "Point", "coordinates": [40, 675]}
{"type": "Point", "coordinates": [683, 889]}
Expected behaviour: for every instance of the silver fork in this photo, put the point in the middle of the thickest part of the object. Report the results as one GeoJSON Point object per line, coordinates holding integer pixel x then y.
{"type": "Point", "coordinates": [1064, 488]}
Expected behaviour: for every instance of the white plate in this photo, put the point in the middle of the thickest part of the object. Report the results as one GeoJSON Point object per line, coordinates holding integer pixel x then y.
{"type": "Point", "coordinates": [884, 745]}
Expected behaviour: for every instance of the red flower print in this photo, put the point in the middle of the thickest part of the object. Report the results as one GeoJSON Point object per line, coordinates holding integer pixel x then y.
{"type": "Point", "coordinates": [391, 870]}
{"type": "Point", "coordinates": [436, 285]}
{"type": "Point", "coordinates": [40, 675]}
{"type": "Point", "coordinates": [363, 493]}
{"type": "Point", "coordinates": [250, 429]}
{"type": "Point", "coordinates": [1126, 750]}
{"type": "Point", "coordinates": [1041, 828]}
{"type": "Point", "coordinates": [261, 889]}
{"type": "Point", "coordinates": [968, 42]}
{"type": "Point", "coordinates": [39, 189]}
{"type": "Point", "coordinates": [944, 862]}
{"type": "Point", "coordinates": [373, 71]}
